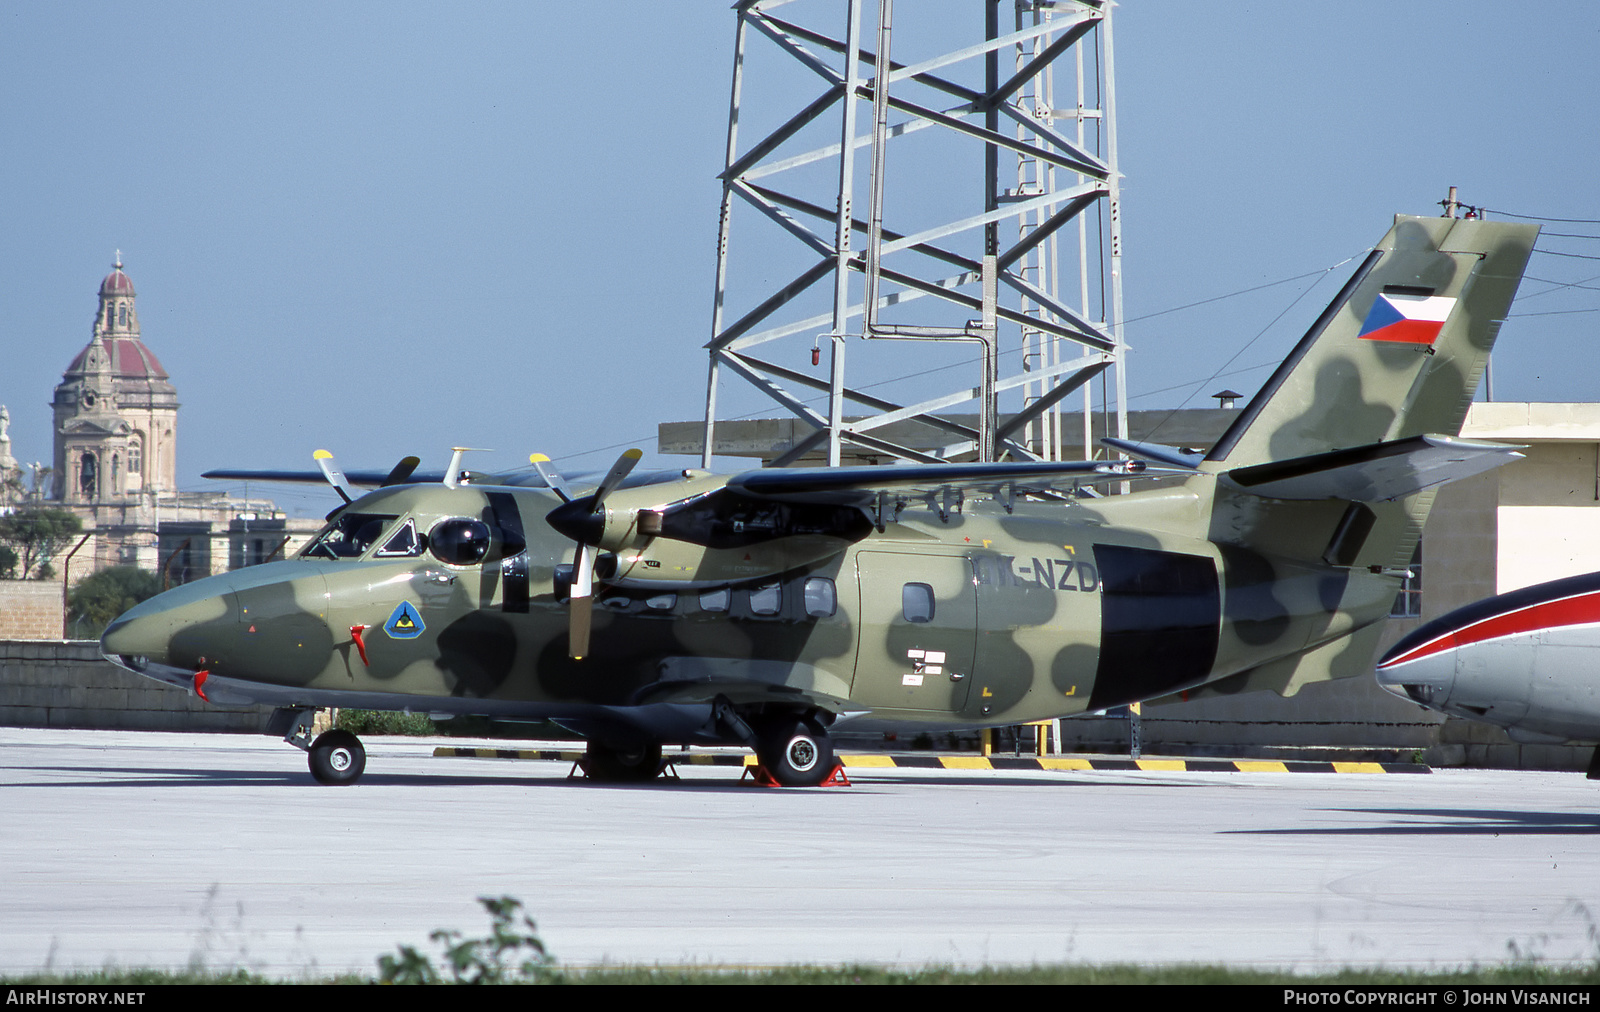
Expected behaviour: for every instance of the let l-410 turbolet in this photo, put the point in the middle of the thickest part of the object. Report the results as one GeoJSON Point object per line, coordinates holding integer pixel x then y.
{"type": "Point", "coordinates": [763, 608]}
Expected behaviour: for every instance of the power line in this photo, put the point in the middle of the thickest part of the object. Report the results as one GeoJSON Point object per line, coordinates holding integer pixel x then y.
{"type": "Point", "coordinates": [1577, 256]}
{"type": "Point", "coordinates": [1538, 217]}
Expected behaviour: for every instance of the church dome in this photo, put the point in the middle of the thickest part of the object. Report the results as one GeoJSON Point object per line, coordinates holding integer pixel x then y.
{"type": "Point", "coordinates": [130, 359]}
{"type": "Point", "coordinates": [117, 283]}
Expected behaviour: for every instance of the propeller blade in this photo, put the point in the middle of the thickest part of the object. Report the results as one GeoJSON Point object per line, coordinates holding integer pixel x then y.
{"type": "Point", "coordinates": [613, 478]}
{"type": "Point", "coordinates": [582, 603]}
{"type": "Point", "coordinates": [401, 471]}
{"type": "Point", "coordinates": [551, 476]}
{"type": "Point", "coordinates": [582, 519]}
{"type": "Point", "coordinates": [578, 633]}
{"type": "Point", "coordinates": [331, 471]}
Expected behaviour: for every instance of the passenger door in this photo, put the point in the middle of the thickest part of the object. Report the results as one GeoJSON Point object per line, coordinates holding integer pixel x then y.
{"type": "Point", "coordinates": [918, 629]}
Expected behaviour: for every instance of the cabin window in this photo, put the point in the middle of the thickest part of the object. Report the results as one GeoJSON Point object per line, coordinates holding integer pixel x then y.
{"type": "Point", "coordinates": [661, 602]}
{"type": "Point", "coordinates": [821, 599]}
{"type": "Point", "coordinates": [766, 600]}
{"type": "Point", "coordinates": [1408, 602]}
{"type": "Point", "coordinates": [716, 600]}
{"type": "Point", "coordinates": [916, 602]}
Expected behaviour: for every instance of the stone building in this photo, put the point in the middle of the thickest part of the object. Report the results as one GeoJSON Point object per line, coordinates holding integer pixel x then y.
{"type": "Point", "coordinates": [9, 468]}
{"type": "Point", "coordinates": [115, 463]}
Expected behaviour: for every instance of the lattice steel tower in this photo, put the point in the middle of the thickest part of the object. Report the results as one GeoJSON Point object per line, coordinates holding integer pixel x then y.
{"type": "Point", "coordinates": [988, 179]}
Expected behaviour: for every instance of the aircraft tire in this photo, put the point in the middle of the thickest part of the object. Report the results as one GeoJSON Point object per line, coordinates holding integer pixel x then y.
{"type": "Point", "coordinates": [797, 752]}
{"type": "Point", "coordinates": [337, 758]}
{"type": "Point", "coordinates": [609, 764]}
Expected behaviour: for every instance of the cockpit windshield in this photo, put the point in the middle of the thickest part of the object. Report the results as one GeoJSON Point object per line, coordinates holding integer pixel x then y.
{"type": "Point", "coordinates": [348, 536]}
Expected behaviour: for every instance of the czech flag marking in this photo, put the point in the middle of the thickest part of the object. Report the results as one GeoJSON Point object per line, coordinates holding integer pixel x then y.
{"type": "Point", "coordinates": [1408, 319]}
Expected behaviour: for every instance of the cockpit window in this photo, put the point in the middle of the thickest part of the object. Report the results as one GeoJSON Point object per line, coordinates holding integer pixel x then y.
{"type": "Point", "coordinates": [348, 536]}
{"type": "Point", "coordinates": [460, 541]}
{"type": "Point", "coordinates": [403, 543]}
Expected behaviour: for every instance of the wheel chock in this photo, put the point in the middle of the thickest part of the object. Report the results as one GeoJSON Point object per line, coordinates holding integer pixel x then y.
{"type": "Point", "coordinates": [758, 772]}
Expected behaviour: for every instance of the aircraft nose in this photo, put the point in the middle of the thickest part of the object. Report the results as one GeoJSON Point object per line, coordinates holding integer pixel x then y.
{"type": "Point", "coordinates": [136, 636]}
{"type": "Point", "coordinates": [173, 629]}
{"type": "Point", "coordinates": [1425, 678]}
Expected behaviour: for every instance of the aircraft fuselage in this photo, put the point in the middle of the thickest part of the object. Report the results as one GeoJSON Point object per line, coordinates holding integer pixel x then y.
{"type": "Point", "coordinates": [969, 615]}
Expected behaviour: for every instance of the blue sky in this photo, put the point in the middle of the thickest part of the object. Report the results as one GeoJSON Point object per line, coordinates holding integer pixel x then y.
{"type": "Point", "coordinates": [390, 228]}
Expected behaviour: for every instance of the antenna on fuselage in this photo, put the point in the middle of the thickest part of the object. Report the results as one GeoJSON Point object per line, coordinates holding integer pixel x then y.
{"type": "Point", "coordinates": [453, 475]}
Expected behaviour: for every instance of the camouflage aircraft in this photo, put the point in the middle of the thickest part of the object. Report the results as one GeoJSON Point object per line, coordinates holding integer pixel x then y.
{"type": "Point", "coordinates": [761, 609]}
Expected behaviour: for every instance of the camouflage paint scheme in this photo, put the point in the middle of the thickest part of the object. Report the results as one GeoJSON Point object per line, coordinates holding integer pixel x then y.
{"type": "Point", "coordinates": [1202, 583]}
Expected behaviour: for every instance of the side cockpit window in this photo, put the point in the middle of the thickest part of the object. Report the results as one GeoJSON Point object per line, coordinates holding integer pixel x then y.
{"type": "Point", "coordinates": [348, 536]}
{"type": "Point", "coordinates": [403, 543]}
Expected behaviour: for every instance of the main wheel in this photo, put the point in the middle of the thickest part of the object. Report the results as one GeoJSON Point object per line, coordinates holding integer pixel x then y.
{"type": "Point", "coordinates": [797, 752]}
{"type": "Point", "coordinates": [337, 758]}
{"type": "Point", "coordinates": [635, 765]}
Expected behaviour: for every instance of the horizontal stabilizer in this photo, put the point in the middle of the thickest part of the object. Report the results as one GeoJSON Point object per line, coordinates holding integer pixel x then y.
{"type": "Point", "coordinates": [1173, 456]}
{"type": "Point", "coordinates": [858, 485]}
{"type": "Point", "coordinates": [1374, 473]}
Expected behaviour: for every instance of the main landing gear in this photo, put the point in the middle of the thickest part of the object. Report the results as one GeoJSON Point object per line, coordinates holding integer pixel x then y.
{"type": "Point", "coordinates": [336, 757]}
{"type": "Point", "coordinates": [636, 765]}
{"type": "Point", "coordinates": [796, 750]}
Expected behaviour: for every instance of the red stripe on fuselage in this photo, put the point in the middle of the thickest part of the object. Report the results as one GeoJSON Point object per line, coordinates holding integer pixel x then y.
{"type": "Point", "coordinates": [1580, 609]}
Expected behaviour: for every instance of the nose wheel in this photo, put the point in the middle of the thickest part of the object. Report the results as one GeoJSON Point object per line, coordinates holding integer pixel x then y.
{"type": "Point", "coordinates": [337, 758]}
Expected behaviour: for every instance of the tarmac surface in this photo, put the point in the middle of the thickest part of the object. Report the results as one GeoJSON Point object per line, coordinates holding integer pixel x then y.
{"type": "Point", "coordinates": [172, 850]}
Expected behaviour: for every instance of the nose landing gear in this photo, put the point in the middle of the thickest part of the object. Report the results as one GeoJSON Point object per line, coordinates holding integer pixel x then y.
{"type": "Point", "coordinates": [336, 757]}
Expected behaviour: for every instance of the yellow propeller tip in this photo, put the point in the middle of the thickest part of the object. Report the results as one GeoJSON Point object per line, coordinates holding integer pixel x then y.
{"type": "Point", "coordinates": [322, 455]}
{"type": "Point", "coordinates": [538, 458]}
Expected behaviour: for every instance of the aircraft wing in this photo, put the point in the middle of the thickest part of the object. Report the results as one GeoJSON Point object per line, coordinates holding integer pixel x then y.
{"type": "Point", "coordinates": [1373, 473]}
{"type": "Point", "coordinates": [1173, 456]}
{"type": "Point", "coordinates": [366, 479]}
{"type": "Point", "coordinates": [859, 485]}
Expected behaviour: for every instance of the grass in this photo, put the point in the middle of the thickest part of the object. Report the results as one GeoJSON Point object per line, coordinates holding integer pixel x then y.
{"type": "Point", "coordinates": [1499, 975]}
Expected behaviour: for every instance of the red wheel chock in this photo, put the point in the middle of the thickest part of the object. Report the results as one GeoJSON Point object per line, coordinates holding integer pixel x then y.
{"type": "Point", "coordinates": [763, 778]}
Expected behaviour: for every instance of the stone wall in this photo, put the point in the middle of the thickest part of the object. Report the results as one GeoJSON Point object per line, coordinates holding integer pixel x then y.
{"type": "Point", "coordinates": [1352, 716]}
{"type": "Point", "coordinates": [30, 609]}
{"type": "Point", "coordinates": [66, 683]}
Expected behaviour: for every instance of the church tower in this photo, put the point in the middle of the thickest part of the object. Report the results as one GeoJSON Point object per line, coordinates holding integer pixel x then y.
{"type": "Point", "coordinates": [116, 411]}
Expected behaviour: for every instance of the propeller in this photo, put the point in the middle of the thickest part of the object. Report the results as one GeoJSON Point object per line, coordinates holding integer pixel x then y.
{"type": "Point", "coordinates": [401, 471]}
{"type": "Point", "coordinates": [331, 471]}
{"type": "Point", "coordinates": [551, 476]}
{"type": "Point", "coordinates": [584, 521]}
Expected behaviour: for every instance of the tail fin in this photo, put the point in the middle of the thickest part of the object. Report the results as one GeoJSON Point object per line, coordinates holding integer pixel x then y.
{"type": "Point", "coordinates": [1398, 353]}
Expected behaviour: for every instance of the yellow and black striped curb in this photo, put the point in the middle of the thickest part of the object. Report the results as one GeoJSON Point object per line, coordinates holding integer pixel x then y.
{"type": "Point", "coordinates": [962, 762]}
